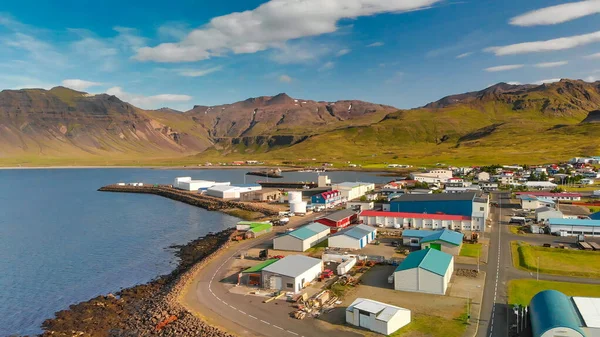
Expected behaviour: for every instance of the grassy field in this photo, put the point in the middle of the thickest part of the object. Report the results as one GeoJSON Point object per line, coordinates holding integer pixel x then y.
{"type": "Point", "coordinates": [471, 249]}
{"type": "Point", "coordinates": [588, 188]}
{"type": "Point", "coordinates": [521, 291]}
{"type": "Point", "coordinates": [556, 261]}
{"type": "Point", "coordinates": [318, 249]}
{"type": "Point", "coordinates": [516, 229]}
{"type": "Point", "coordinates": [426, 325]}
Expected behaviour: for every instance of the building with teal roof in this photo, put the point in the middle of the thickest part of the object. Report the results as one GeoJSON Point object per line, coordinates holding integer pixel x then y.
{"type": "Point", "coordinates": [302, 238]}
{"type": "Point", "coordinates": [444, 240]}
{"type": "Point", "coordinates": [427, 271]}
{"type": "Point", "coordinates": [552, 313]}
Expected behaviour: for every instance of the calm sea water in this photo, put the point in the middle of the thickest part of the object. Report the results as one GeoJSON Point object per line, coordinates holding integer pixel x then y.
{"type": "Point", "coordinates": [62, 242]}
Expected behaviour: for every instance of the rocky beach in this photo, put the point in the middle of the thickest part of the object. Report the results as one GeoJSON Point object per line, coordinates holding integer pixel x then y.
{"type": "Point", "coordinates": [149, 309]}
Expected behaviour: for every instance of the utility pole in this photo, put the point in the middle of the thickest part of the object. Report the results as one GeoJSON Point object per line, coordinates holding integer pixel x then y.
{"type": "Point", "coordinates": [468, 306]}
{"type": "Point", "coordinates": [478, 253]}
{"type": "Point", "coordinates": [537, 277]}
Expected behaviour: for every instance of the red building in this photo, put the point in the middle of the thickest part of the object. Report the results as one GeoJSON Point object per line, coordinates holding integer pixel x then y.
{"type": "Point", "coordinates": [338, 220]}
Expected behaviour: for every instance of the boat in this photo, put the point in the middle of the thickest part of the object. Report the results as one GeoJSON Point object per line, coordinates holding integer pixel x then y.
{"type": "Point", "coordinates": [269, 173]}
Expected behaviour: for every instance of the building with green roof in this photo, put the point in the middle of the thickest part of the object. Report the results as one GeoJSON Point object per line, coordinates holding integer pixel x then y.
{"type": "Point", "coordinates": [444, 240]}
{"type": "Point", "coordinates": [302, 238]}
{"type": "Point", "coordinates": [427, 271]}
{"type": "Point", "coordinates": [552, 313]}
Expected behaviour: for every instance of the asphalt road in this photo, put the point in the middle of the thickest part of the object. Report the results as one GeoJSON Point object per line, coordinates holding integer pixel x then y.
{"type": "Point", "coordinates": [246, 315]}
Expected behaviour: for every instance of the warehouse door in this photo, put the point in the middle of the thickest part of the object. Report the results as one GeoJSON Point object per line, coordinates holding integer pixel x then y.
{"type": "Point", "coordinates": [276, 283]}
{"type": "Point", "coordinates": [437, 246]}
{"type": "Point", "coordinates": [364, 319]}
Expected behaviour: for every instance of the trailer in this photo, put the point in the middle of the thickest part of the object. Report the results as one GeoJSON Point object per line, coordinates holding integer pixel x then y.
{"type": "Point", "coordinates": [594, 245]}
{"type": "Point", "coordinates": [584, 245]}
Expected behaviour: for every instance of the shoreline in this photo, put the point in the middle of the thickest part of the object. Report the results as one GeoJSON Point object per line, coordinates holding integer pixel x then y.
{"type": "Point", "coordinates": [138, 310]}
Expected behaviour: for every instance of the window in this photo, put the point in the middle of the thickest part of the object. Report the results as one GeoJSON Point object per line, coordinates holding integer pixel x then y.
{"type": "Point", "coordinates": [289, 285]}
{"type": "Point", "coordinates": [482, 208]}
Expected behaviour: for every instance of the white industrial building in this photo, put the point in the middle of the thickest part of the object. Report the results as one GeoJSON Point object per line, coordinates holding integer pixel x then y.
{"type": "Point", "coordinates": [426, 271]}
{"type": "Point", "coordinates": [574, 227]}
{"type": "Point", "coordinates": [376, 316]}
{"type": "Point", "coordinates": [355, 237]}
{"type": "Point", "coordinates": [433, 176]}
{"type": "Point", "coordinates": [187, 184]}
{"type": "Point", "coordinates": [540, 185]}
{"type": "Point", "coordinates": [351, 190]}
{"type": "Point", "coordinates": [231, 191]}
{"type": "Point", "coordinates": [292, 273]}
{"type": "Point", "coordinates": [302, 238]}
{"type": "Point", "coordinates": [543, 214]}
{"type": "Point", "coordinates": [420, 220]}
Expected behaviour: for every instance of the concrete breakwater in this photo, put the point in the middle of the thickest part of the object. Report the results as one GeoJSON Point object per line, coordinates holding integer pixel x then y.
{"type": "Point", "coordinates": [139, 310]}
{"type": "Point", "coordinates": [191, 198]}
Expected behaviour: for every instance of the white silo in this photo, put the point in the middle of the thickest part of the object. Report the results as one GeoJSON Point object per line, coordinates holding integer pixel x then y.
{"type": "Point", "coordinates": [298, 207]}
{"type": "Point", "coordinates": [294, 196]}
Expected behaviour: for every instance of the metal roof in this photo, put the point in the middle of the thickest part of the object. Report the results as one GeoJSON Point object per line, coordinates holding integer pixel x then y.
{"type": "Point", "coordinates": [528, 197]}
{"type": "Point", "coordinates": [260, 227]}
{"type": "Point", "coordinates": [414, 233]}
{"type": "Point", "coordinates": [451, 237]}
{"type": "Point", "coordinates": [357, 232]}
{"type": "Point", "coordinates": [551, 309]}
{"type": "Point", "coordinates": [383, 312]}
{"type": "Point", "coordinates": [437, 197]}
{"type": "Point", "coordinates": [260, 266]}
{"type": "Point", "coordinates": [308, 231]}
{"type": "Point", "coordinates": [429, 259]}
{"type": "Point", "coordinates": [545, 209]}
{"type": "Point", "coordinates": [574, 222]}
{"type": "Point", "coordinates": [433, 216]}
{"type": "Point", "coordinates": [293, 265]}
{"type": "Point", "coordinates": [595, 216]}
{"type": "Point", "coordinates": [589, 309]}
{"type": "Point", "coordinates": [550, 194]}
{"type": "Point", "coordinates": [352, 184]}
{"type": "Point", "coordinates": [339, 215]}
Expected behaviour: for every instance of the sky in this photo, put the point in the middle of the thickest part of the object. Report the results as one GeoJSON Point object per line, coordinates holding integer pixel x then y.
{"type": "Point", "coordinates": [404, 53]}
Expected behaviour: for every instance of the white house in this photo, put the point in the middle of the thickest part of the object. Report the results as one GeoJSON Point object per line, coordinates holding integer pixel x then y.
{"type": "Point", "coordinates": [351, 190]}
{"type": "Point", "coordinates": [419, 220]}
{"type": "Point", "coordinates": [483, 176]}
{"type": "Point", "coordinates": [433, 176]}
{"type": "Point", "coordinates": [376, 316]}
{"type": "Point", "coordinates": [426, 271]}
{"type": "Point", "coordinates": [355, 237]}
{"type": "Point", "coordinates": [292, 273]}
{"type": "Point", "coordinates": [529, 202]}
{"type": "Point", "coordinates": [302, 238]}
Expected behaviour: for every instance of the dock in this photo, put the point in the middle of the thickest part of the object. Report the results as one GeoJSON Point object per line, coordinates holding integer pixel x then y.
{"type": "Point", "coordinates": [190, 198]}
{"type": "Point", "coordinates": [290, 185]}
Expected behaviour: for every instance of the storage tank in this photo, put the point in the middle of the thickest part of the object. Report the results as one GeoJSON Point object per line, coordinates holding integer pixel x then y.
{"type": "Point", "coordinates": [298, 207]}
{"type": "Point", "coordinates": [294, 196]}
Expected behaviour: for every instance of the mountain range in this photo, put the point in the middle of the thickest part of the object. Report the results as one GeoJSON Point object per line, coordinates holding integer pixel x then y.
{"type": "Point", "coordinates": [502, 123]}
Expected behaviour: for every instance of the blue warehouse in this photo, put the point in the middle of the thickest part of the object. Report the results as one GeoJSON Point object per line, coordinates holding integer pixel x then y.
{"type": "Point", "coordinates": [446, 203]}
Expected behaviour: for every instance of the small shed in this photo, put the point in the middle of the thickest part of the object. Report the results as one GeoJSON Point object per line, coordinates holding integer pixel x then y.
{"type": "Point", "coordinates": [426, 271]}
{"type": "Point", "coordinates": [258, 230]}
{"type": "Point", "coordinates": [377, 316]}
{"type": "Point", "coordinates": [444, 240]}
{"type": "Point", "coordinates": [552, 314]}
{"type": "Point", "coordinates": [355, 237]}
{"type": "Point", "coordinates": [253, 275]}
{"type": "Point", "coordinates": [543, 214]}
{"type": "Point", "coordinates": [302, 238]}
{"type": "Point", "coordinates": [292, 273]}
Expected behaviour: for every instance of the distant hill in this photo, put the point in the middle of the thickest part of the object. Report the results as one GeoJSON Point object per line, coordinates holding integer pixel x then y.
{"type": "Point", "coordinates": [502, 123]}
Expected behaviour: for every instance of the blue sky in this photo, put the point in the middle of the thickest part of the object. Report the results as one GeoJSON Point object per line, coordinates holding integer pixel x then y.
{"type": "Point", "coordinates": [405, 53]}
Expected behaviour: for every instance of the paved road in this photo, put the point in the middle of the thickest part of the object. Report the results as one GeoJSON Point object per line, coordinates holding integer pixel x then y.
{"type": "Point", "coordinates": [246, 315]}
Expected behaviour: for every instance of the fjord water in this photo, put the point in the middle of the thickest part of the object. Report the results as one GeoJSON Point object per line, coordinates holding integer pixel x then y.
{"type": "Point", "coordinates": [62, 242]}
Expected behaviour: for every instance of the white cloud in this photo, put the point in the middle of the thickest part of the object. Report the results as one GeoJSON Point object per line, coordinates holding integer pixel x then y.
{"type": "Point", "coordinates": [24, 82]}
{"type": "Point", "coordinates": [375, 44]}
{"type": "Point", "coordinates": [593, 56]}
{"type": "Point", "coordinates": [550, 80]}
{"type": "Point", "coordinates": [504, 68]}
{"type": "Point", "coordinates": [198, 72]}
{"type": "Point", "coordinates": [557, 14]}
{"type": "Point", "coordinates": [269, 25]}
{"type": "Point", "coordinates": [295, 53]}
{"type": "Point", "coordinates": [327, 66]}
{"type": "Point", "coordinates": [128, 38]}
{"type": "Point", "coordinates": [551, 64]}
{"type": "Point", "coordinates": [513, 83]}
{"type": "Point", "coordinates": [285, 79]}
{"type": "Point", "coordinates": [592, 79]}
{"type": "Point", "coordinates": [464, 55]}
{"type": "Point", "coordinates": [79, 85]}
{"type": "Point", "coordinates": [147, 102]}
{"type": "Point", "coordinates": [173, 31]}
{"type": "Point", "coordinates": [545, 46]}
{"type": "Point", "coordinates": [396, 77]}
{"type": "Point", "coordinates": [39, 50]}
{"type": "Point", "coordinates": [343, 52]}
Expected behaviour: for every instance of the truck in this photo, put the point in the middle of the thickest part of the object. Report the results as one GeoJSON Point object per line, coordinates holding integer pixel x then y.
{"type": "Point", "coordinates": [518, 220]}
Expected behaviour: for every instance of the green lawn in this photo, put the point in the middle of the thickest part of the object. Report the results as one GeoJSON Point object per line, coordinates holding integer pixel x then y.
{"type": "Point", "coordinates": [318, 248]}
{"type": "Point", "coordinates": [471, 249]}
{"type": "Point", "coordinates": [556, 261]}
{"type": "Point", "coordinates": [587, 188]}
{"type": "Point", "coordinates": [521, 291]}
{"type": "Point", "coordinates": [426, 325]}
{"type": "Point", "coordinates": [516, 229]}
